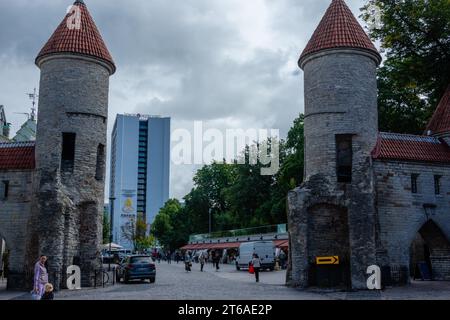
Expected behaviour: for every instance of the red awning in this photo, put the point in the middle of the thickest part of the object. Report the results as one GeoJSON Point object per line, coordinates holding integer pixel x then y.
{"type": "Point", "coordinates": [205, 246]}
{"type": "Point", "coordinates": [281, 243]}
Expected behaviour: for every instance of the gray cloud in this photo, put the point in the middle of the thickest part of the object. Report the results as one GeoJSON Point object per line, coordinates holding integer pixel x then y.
{"type": "Point", "coordinates": [226, 62]}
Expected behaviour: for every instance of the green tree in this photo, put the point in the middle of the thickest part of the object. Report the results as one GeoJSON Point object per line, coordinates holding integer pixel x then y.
{"type": "Point", "coordinates": [415, 36]}
{"type": "Point", "coordinates": [210, 183]}
{"type": "Point", "coordinates": [249, 191]}
{"type": "Point", "coordinates": [170, 225]}
{"type": "Point", "coordinates": [291, 173]}
{"type": "Point", "coordinates": [135, 231]}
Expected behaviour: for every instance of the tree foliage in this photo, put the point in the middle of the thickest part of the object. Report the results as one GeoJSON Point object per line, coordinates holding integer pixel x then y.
{"type": "Point", "coordinates": [415, 37]}
{"type": "Point", "coordinates": [135, 231]}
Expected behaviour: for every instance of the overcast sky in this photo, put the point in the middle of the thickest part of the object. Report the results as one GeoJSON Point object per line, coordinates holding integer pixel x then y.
{"type": "Point", "coordinates": [229, 63]}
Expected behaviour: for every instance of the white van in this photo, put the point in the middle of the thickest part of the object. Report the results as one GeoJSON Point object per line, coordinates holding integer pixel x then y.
{"type": "Point", "coordinates": [264, 249]}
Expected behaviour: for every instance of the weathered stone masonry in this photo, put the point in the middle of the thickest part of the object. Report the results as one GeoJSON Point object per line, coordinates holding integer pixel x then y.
{"type": "Point", "coordinates": [357, 201]}
{"type": "Point", "coordinates": [402, 214]}
{"type": "Point", "coordinates": [15, 213]}
{"type": "Point", "coordinates": [63, 192]}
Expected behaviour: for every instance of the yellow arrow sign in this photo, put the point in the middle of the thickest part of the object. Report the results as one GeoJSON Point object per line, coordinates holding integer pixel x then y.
{"type": "Point", "coordinates": [327, 260]}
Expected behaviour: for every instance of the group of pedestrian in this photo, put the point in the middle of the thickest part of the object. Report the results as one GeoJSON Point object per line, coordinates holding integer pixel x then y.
{"type": "Point", "coordinates": [255, 263]}
{"type": "Point", "coordinates": [42, 289]}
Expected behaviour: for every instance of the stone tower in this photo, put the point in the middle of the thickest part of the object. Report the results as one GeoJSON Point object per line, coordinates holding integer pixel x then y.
{"type": "Point", "coordinates": [333, 212]}
{"type": "Point", "coordinates": [71, 147]}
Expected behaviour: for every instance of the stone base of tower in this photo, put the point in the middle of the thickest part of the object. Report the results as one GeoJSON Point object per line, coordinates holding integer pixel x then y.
{"type": "Point", "coordinates": [324, 222]}
{"type": "Point", "coordinates": [67, 232]}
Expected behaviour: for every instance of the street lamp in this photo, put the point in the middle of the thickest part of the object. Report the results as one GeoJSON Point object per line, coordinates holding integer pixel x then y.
{"type": "Point", "coordinates": [111, 219]}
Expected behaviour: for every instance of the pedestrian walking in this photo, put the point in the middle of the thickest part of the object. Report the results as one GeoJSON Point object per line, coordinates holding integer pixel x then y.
{"type": "Point", "coordinates": [188, 262]}
{"type": "Point", "coordinates": [169, 258]}
{"type": "Point", "coordinates": [216, 261]}
{"type": "Point", "coordinates": [282, 258]}
{"type": "Point", "coordinates": [256, 263]}
{"type": "Point", "coordinates": [177, 257]}
{"type": "Point", "coordinates": [48, 294]}
{"type": "Point", "coordinates": [40, 276]}
{"type": "Point", "coordinates": [202, 261]}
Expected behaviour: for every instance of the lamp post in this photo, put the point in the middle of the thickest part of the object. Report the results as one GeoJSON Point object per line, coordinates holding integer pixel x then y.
{"type": "Point", "coordinates": [111, 219]}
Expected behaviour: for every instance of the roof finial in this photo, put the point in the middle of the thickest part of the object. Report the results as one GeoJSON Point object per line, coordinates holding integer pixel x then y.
{"type": "Point", "coordinates": [33, 96]}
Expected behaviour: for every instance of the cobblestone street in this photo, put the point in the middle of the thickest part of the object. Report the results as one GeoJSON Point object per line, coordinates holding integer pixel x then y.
{"type": "Point", "coordinates": [228, 284]}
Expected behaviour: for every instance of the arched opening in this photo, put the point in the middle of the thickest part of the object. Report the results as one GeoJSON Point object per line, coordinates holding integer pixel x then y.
{"type": "Point", "coordinates": [430, 254]}
{"type": "Point", "coordinates": [328, 236]}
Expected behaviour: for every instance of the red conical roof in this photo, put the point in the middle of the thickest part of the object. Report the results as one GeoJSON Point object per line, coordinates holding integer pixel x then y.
{"type": "Point", "coordinates": [440, 122]}
{"type": "Point", "coordinates": [84, 39]}
{"type": "Point", "coordinates": [338, 29]}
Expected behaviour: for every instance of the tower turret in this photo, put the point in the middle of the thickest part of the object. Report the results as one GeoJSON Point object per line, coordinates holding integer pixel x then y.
{"type": "Point", "coordinates": [339, 64]}
{"type": "Point", "coordinates": [333, 213]}
{"type": "Point", "coordinates": [71, 145]}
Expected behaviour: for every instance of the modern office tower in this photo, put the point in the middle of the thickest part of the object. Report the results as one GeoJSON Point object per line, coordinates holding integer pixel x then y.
{"type": "Point", "coordinates": [140, 162]}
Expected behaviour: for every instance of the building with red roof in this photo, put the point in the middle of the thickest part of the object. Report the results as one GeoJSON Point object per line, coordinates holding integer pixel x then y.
{"type": "Point", "coordinates": [52, 189]}
{"type": "Point", "coordinates": [369, 197]}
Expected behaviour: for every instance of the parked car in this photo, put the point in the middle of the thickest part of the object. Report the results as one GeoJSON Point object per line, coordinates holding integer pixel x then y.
{"type": "Point", "coordinates": [136, 267]}
{"type": "Point", "coordinates": [264, 249]}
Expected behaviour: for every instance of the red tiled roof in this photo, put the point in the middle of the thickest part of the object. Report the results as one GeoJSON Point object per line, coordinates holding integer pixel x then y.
{"type": "Point", "coordinates": [440, 122]}
{"type": "Point", "coordinates": [338, 29]}
{"type": "Point", "coordinates": [394, 146]}
{"type": "Point", "coordinates": [17, 156]}
{"type": "Point", "coordinates": [85, 40]}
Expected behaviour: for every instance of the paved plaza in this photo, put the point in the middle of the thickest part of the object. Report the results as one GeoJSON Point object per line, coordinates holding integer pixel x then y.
{"type": "Point", "coordinates": [173, 283]}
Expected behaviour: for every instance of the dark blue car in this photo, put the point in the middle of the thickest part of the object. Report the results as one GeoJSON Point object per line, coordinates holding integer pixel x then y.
{"type": "Point", "coordinates": [136, 267]}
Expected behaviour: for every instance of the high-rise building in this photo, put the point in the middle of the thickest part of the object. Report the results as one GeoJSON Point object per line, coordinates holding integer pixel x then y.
{"type": "Point", "coordinates": [140, 162]}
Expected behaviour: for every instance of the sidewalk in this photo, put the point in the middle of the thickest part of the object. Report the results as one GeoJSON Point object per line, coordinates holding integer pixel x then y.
{"type": "Point", "coordinates": [12, 295]}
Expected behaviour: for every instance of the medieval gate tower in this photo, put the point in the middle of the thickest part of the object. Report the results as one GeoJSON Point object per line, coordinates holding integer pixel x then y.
{"type": "Point", "coordinates": [333, 213]}
{"type": "Point", "coordinates": [71, 147]}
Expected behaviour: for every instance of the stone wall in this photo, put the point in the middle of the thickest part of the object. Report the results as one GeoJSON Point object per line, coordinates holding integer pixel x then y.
{"type": "Point", "coordinates": [403, 214]}
{"type": "Point", "coordinates": [73, 99]}
{"type": "Point", "coordinates": [340, 98]}
{"type": "Point", "coordinates": [15, 213]}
